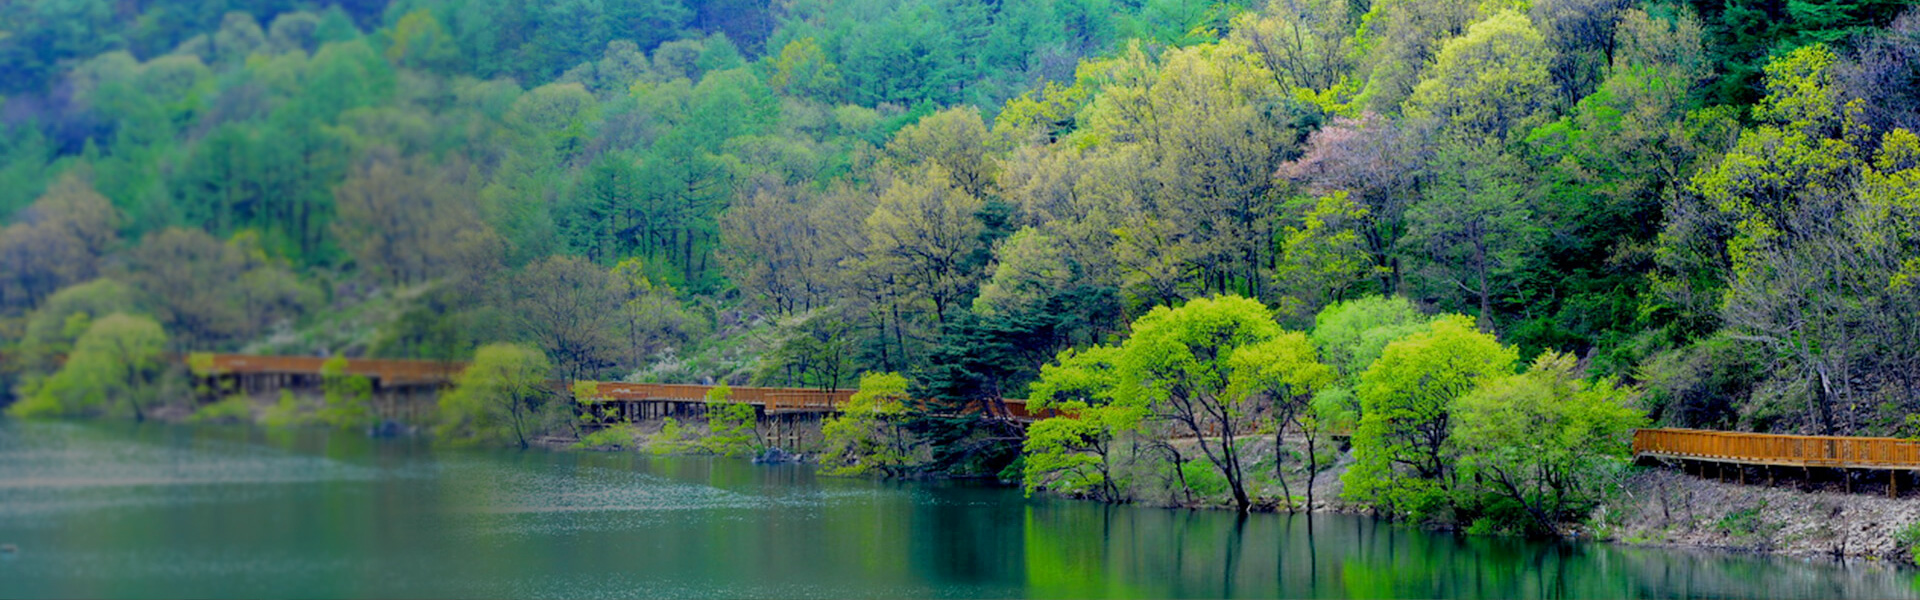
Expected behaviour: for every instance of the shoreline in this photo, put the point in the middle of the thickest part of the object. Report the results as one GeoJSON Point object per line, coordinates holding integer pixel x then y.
{"type": "Point", "coordinates": [1655, 507]}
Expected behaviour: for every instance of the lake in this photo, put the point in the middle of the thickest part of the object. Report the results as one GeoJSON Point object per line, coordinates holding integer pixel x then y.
{"type": "Point", "coordinates": [119, 510]}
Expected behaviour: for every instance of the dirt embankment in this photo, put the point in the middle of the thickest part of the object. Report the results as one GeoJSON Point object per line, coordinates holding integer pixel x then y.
{"type": "Point", "coordinates": [1663, 507]}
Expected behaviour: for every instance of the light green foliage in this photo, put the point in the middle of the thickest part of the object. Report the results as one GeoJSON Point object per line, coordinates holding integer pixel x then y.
{"type": "Point", "coordinates": [587, 402]}
{"type": "Point", "coordinates": [618, 435]}
{"type": "Point", "coordinates": [1074, 453]}
{"type": "Point", "coordinates": [1488, 83]}
{"type": "Point", "coordinates": [1211, 369]}
{"type": "Point", "coordinates": [1287, 371]}
{"type": "Point", "coordinates": [868, 436]}
{"type": "Point", "coordinates": [236, 408]}
{"type": "Point", "coordinates": [1185, 366]}
{"type": "Point", "coordinates": [498, 399]}
{"type": "Point", "coordinates": [1547, 439]}
{"type": "Point", "coordinates": [418, 40]}
{"type": "Point", "coordinates": [733, 428]}
{"type": "Point", "coordinates": [1350, 335]}
{"type": "Point", "coordinates": [954, 139]}
{"type": "Point", "coordinates": [208, 292]}
{"type": "Point", "coordinates": [1079, 380]}
{"type": "Point", "coordinates": [1069, 455]}
{"type": "Point", "coordinates": [674, 438]}
{"type": "Point", "coordinates": [200, 364]}
{"type": "Point", "coordinates": [1185, 147]}
{"type": "Point", "coordinates": [557, 113]}
{"type": "Point", "coordinates": [1909, 538]}
{"type": "Point", "coordinates": [55, 242]}
{"type": "Point", "coordinates": [924, 234]}
{"type": "Point", "coordinates": [1030, 268]}
{"type": "Point", "coordinates": [802, 69]}
{"type": "Point", "coordinates": [1285, 367]}
{"type": "Point", "coordinates": [1397, 39]}
{"type": "Point", "coordinates": [346, 396]}
{"type": "Point", "coordinates": [52, 328]}
{"type": "Point", "coordinates": [112, 370]}
{"type": "Point", "coordinates": [1322, 257]}
{"type": "Point", "coordinates": [285, 412]}
{"type": "Point", "coordinates": [1402, 451]}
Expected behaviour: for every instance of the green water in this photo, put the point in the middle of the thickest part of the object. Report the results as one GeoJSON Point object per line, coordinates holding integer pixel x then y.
{"type": "Point", "coordinates": [110, 510]}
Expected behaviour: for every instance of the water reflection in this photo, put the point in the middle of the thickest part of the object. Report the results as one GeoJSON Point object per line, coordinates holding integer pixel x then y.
{"type": "Point", "coordinates": [118, 510]}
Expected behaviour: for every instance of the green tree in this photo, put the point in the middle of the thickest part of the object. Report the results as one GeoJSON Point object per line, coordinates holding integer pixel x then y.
{"type": "Point", "coordinates": [1475, 227]}
{"type": "Point", "coordinates": [210, 293]}
{"type": "Point", "coordinates": [1191, 144]}
{"type": "Point", "coordinates": [1077, 451]}
{"type": "Point", "coordinates": [568, 308]}
{"type": "Point", "coordinates": [1402, 455]}
{"type": "Point", "coordinates": [346, 396]}
{"type": "Point", "coordinates": [407, 221]}
{"type": "Point", "coordinates": [498, 399]}
{"type": "Point", "coordinates": [1323, 257]}
{"type": "Point", "coordinates": [1349, 336]}
{"type": "Point", "coordinates": [869, 435]}
{"type": "Point", "coordinates": [1547, 439]}
{"type": "Point", "coordinates": [419, 41]}
{"type": "Point", "coordinates": [733, 428]}
{"type": "Point", "coordinates": [1286, 370]}
{"type": "Point", "coordinates": [53, 327]}
{"type": "Point", "coordinates": [55, 242]}
{"type": "Point", "coordinates": [1028, 268]}
{"type": "Point", "coordinates": [1398, 40]}
{"type": "Point", "coordinates": [955, 139]}
{"type": "Point", "coordinates": [1488, 83]}
{"type": "Point", "coordinates": [802, 69]}
{"type": "Point", "coordinates": [925, 235]}
{"type": "Point", "coordinates": [1186, 366]}
{"type": "Point", "coordinates": [113, 370]}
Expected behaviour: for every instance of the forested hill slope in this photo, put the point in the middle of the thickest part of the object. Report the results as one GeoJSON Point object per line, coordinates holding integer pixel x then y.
{"type": "Point", "coordinates": [1713, 199]}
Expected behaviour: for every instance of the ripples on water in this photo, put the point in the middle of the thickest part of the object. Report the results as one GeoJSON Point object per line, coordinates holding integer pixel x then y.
{"type": "Point", "coordinates": [118, 510]}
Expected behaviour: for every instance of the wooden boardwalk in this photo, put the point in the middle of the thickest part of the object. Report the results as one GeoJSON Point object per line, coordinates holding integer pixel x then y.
{"type": "Point", "coordinates": [1763, 449]}
{"type": "Point", "coordinates": [640, 399]}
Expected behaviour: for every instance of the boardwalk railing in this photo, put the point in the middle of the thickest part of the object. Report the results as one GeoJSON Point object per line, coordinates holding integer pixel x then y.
{"type": "Point", "coordinates": [770, 399]}
{"type": "Point", "coordinates": [1779, 450]}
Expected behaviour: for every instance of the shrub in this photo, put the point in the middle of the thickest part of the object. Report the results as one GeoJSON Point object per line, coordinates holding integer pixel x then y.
{"type": "Point", "coordinates": [1909, 540]}
{"type": "Point", "coordinates": [231, 409]}
{"type": "Point", "coordinates": [673, 438]}
{"type": "Point", "coordinates": [620, 435]}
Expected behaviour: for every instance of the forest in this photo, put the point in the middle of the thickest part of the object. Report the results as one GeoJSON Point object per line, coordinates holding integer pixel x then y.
{"type": "Point", "coordinates": [1409, 220]}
